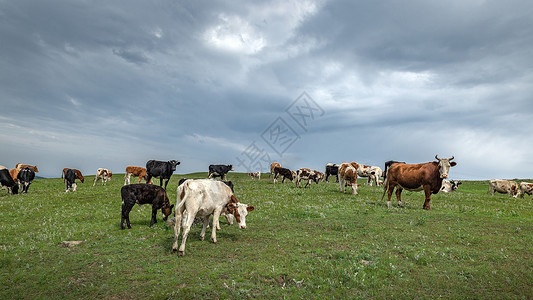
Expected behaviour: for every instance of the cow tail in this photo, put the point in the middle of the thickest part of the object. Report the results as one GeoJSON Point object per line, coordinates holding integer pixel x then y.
{"type": "Point", "coordinates": [385, 188]}
{"type": "Point", "coordinates": [181, 195]}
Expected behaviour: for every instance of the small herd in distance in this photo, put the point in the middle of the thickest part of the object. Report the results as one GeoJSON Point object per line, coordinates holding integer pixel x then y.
{"type": "Point", "coordinates": [198, 199]}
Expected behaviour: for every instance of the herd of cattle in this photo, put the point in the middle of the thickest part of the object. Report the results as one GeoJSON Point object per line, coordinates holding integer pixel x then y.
{"type": "Point", "coordinates": [201, 198]}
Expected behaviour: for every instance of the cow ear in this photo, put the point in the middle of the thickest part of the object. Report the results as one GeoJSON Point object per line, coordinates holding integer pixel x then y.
{"type": "Point", "coordinates": [250, 208]}
{"type": "Point", "coordinates": [453, 163]}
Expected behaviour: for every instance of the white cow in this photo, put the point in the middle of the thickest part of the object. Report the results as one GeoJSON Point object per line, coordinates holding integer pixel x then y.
{"type": "Point", "coordinates": [449, 186]}
{"type": "Point", "coordinates": [203, 198]}
{"type": "Point", "coordinates": [504, 186]}
{"type": "Point", "coordinates": [526, 188]}
{"type": "Point", "coordinates": [103, 174]}
{"type": "Point", "coordinates": [374, 174]}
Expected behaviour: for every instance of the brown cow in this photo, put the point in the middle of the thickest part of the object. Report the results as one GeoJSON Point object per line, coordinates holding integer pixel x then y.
{"type": "Point", "coordinates": [136, 172]}
{"type": "Point", "coordinates": [21, 166]}
{"type": "Point", "coordinates": [272, 166]}
{"type": "Point", "coordinates": [14, 173]}
{"type": "Point", "coordinates": [417, 177]}
{"type": "Point", "coordinates": [78, 174]}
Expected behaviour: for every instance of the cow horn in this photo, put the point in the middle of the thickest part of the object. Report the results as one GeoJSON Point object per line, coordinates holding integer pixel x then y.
{"type": "Point", "coordinates": [452, 158]}
{"type": "Point", "coordinates": [437, 157]}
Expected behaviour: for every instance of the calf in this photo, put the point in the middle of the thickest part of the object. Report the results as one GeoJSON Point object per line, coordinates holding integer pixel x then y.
{"type": "Point", "coordinates": [103, 174]}
{"type": "Point", "coordinates": [284, 173]}
{"type": "Point", "coordinates": [347, 177]}
{"type": "Point", "coordinates": [7, 181]}
{"type": "Point", "coordinates": [203, 198]}
{"type": "Point", "coordinates": [255, 175]}
{"type": "Point", "coordinates": [135, 172]}
{"type": "Point", "coordinates": [508, 187]}
{"type": "Point", "coordinates": [141, 193]}
{"type": "Point", "coordinates": [526, 188]}
{"type": "Point", "coordinates": [76, 171]}
{"type": "Point", "coordinates": [332, 169]}
{"type": "Point", "coordinates": [319, 175]}
{"type": "Point", "coordinates": [449, 186]}
{"type": "Point", "coordinates": [305, 174]}
{"type": "Point", "coordinates": [161, 170]}
{"type": "Point", "coordinates": [25, 178]}
{"type": "Point", "coordinates": [219, 171]}
{"type": "Point", "coordinates": [70, 180]}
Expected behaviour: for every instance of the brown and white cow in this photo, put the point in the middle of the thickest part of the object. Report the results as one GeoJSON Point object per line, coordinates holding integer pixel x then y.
{"type": "Point", "coordinates": [272, 166]}
{"type": "Point", "coordinates": [76, 171]}
{"type": "Point", "coordinates": [255, 175]}
{"type": "Point", "coordinates": [135, 172]}
{"type": "Point", "coordinates": [305, 174]}
{"type": "Point", "coordinates": [203, 198]}
{"type": "Point", "coordinates": [503, 186]}
{"type": "Point", "coordinates": [526, 188]}
{"type": "Point", "coordinates": [14, 174]}
{"type": "Point", "coordinates": [347, 176]}
{"type": "Point", "coordinates": [417, 177]}
{"type": "Point", "coordinates": [22, 166]}
{"type": "Point", "coordinates": [103, 174]}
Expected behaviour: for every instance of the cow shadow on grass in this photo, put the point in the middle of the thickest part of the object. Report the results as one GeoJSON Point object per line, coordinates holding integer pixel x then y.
{"type": "Point", "coordinates": [223, 235]}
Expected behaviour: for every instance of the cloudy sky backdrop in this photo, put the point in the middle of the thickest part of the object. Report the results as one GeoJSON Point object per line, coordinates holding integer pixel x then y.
{"type": "Point", "coordinates": [89, 84]}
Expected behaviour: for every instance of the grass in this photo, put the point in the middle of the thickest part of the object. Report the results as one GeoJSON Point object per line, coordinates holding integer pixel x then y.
{"type": "Point", "coordinates": [315, 243]}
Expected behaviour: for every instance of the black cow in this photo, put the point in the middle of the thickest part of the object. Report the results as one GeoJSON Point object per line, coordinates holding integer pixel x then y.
{"type": "Point", "coordinates": [25, 177]}
{"type": "Point", "coordinates": [228, 183]}
{"type": "Point", "coordinates": [332, 169]}
{"type": "Point", "coordinates": [388, 164]}
{"type": "Point", "coordinates": [142, 193]}
{"type": "Point", "coordinates": [7, 181]}
{"type": "Point", "coordinates": [161, 170]}
{"type": "Point", "coordinates": [70, 180]}
{"type": "Point", "coordinates": [219, 171]}
{"type": "Point", "coordinates": [284, 173]}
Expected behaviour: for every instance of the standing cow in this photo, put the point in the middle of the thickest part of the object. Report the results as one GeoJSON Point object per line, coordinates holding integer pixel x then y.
{"type": "Point", "coordinates": [348, 177]}
{"type": "Point", "coordinates": [417, 177]}
{"type": "Point", "coordinates": [332, 170]}
{"type": "Point", "coordinates": [70, 180]}
{"type": "Point", "coordinates": [135, 172]}
{"type": "Point", "coordinates": [161, 170]}
{"type": "Point", "coordinates": [219, 171]}
{"type": "Point", "coordinates": [7, 181]}
{"type": "Point", "coordinates": [272, 166]}
{"type": "Point", "coordinates": [141, 193]}
{"type": "Point", "coordinates": [25, 178]}
{"type": "Point", "coordinates": [508, 187]}
{"type": "Point", "coordinates": [526, 188]}
{"type": "Point", "coordinates": [102, 174]}
{"type": "Point", "coordinates": [284, 173]}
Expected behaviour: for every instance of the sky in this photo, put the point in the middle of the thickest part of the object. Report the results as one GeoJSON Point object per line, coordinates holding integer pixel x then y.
{"type": "Point", "coordinates": [107, 84]}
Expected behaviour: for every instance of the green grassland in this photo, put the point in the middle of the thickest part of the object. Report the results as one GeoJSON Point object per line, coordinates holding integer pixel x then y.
{"type": "Point", "coordinates": [314, 243]}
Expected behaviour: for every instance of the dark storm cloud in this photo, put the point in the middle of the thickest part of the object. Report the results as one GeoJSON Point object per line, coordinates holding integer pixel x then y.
{"type": "Point", "coordinates": [199, 81]}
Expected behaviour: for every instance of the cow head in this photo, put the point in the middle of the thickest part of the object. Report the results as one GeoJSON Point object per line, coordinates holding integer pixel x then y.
{"type": "Point", "coordinates": [444, 166]}
{"type": "Point", "coordinates": [167, 208]}
{"type": "Point", "coordinates": [230, 167]}
{"type": "Point", "coordinates": [173, 164]}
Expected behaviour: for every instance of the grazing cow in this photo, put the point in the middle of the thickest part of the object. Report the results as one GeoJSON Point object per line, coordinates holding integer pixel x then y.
{"type": "Point", "coordinates": [272, 166]}
{"type": "Point", "coordinates": [319, 175]}
{"type": "Point", "coordinates": [255, 175]}
{"type": "Point", "coordinates": [526, 188]}
{"type": "Point", "coordinates": [228, 183]}
{"type": "Point", "coordinates": [219, 171]}
{"type": "Point", "coordinates": [348, 177]}
{"type": "Point", "coordinates": [332, 169]}
{"type": "Point", "coordinates": [203, 198]}
{"type": "Point", "coordinates": [508, 187]}
{"type": "Point", "coordinates": [103, 174]}
{"type": "Point", "coordinates": [22, 166]}
{"type": "Point", "coordinates": [375, 174]}
{"type": "Point", "coordinates": [76, 171]}
{"type": "Point", "coordinates": [417, 177]}
{"type": "Point", "coordinates": [284, 173]}
{"type": "Point", "coordinates": [388, 164]}
{"type": "Point", "coordinates": [25, 177]}
{"type": "Point", "coordinates": [135, 172]}
{"type": "Point", "coordinates": [141, 193]}
{"type": "Point", "coordinates": [161, 170]}
{"type": "Point", "coordinates": [305, 174]}
{"type": "Point", "coordinates": [7, 181]}
{"type": "Point", "coordinates": [70, 180]}
{"type": "Point", "coordinates": [449, 186]}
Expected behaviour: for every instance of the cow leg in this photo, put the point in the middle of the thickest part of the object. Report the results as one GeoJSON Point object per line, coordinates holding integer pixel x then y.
{"type": "Point", "coordinates": [399, 196]}
{"type": "Point", "coordinates": [216, 216]}
{"type": "Point", "coordinates": [390, 189]}
{"type": "Point", "coordinates": [186, 228]}
{"type": "Point", "coordinates": [177, 226]}
{"type": "Point", "coordinates": [154, 215]}
{"type": "Point", "coordinates": [204, 227]}
{"type": "Point", "coordinates": [427, 191]}
{"type": "Point", "coordinates": [95, 180]}
{"type": "Point", "coordinates": [125, 215]}
{"type": "Point", "coordinates": [166, 182]}
{"type": "Point", "coordinates": [148, 179]}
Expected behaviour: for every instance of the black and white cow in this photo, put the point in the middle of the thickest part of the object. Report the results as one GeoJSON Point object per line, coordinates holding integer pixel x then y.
{"type": "Point", "coordinates": [7, 181]}
{"type": "Point", "coordinates": [25, 177]}
{"type": "Point", "coordinates": [333, 170]}
{"type": "Point", "coordinates": [161, 170]}
{"type": "Point", "coordinates": [306, 174]}
{"type": "Point", "coordinates": [70, 180]}
{"type": "Point", "coordinates": [219, 171]}
{"type": "Point", "coordinates": [285, 174]}
{"type": "Point", "coordinates": [449, 186]}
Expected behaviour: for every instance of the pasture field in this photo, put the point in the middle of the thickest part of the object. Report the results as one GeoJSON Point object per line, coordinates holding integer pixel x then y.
{"type": "Point", "coordinates": [315, 243]}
